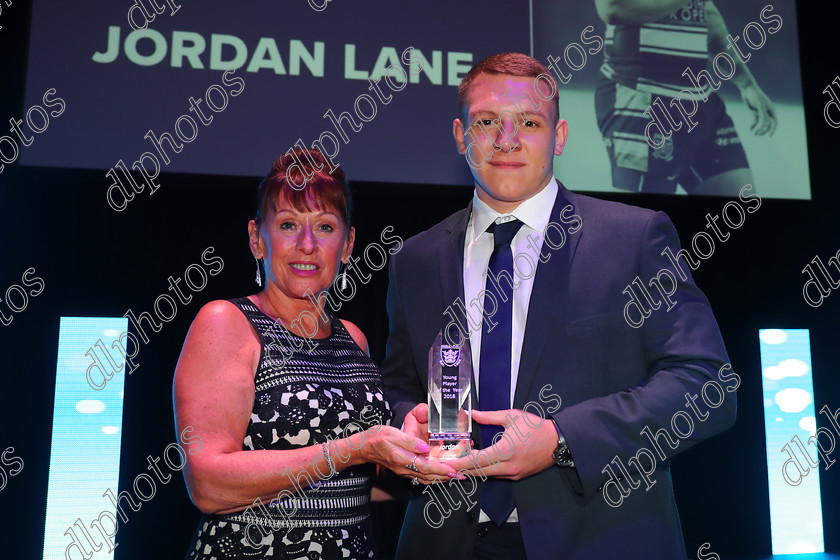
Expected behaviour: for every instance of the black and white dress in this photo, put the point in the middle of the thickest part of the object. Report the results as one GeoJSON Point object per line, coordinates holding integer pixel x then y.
{"type": "Point", "coordinates": [307, 392]}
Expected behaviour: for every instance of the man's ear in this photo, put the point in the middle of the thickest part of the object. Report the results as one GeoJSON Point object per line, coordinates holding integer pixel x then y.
{"type": "Point", "coordinates": [254, 241]}
{"type": "Point", "coordinates": [458, 133]}
{"type": "Point", "coordinates": [561, 133]}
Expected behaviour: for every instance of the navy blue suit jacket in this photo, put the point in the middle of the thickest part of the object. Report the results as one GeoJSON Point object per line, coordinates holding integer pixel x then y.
{"type": "Point", "coordinates": [613, 381]}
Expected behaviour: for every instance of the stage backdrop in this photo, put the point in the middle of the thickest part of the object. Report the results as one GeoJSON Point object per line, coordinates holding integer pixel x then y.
{"type": "Point", "coordinates": [218, 89]}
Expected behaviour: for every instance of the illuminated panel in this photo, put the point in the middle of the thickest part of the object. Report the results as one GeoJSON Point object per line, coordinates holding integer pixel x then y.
{"type": "Point", "coordinates": [789, 420]}
{"type": "Point", "coordinates": [85, 453]}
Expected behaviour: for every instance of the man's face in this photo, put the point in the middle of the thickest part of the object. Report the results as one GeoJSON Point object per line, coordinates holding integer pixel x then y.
{"type": "Point", "coordinates": [510, 153]}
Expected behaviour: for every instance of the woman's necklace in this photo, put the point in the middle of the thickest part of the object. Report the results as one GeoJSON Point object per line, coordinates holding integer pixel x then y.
{"type": "Point", "coordinates": [264, 307]}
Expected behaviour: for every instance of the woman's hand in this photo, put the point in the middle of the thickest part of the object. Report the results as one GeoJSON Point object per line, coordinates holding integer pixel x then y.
{"type": "Point", "coordinates": [416, 422]}
{"type": "Point", "coordinates": [396, 450]}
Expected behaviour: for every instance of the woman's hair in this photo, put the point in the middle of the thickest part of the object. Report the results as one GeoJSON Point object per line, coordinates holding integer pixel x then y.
{"type": "Point", "coordinates": [321, 190]}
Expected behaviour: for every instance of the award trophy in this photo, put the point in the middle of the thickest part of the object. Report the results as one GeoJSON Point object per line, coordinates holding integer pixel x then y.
{"type": "Point", "coordinates": [450, 403]}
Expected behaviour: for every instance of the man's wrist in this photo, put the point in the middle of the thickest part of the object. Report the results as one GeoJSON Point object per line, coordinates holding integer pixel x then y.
{"type": "Point", "coordinates": [560, 437]}
{"type": "Point", "coordinates": [562, 456]}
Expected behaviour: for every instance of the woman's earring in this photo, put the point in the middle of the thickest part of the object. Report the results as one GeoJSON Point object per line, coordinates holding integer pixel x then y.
{"type": "Point", "coordinates": [344, 279]}
{"type": "Point", "coordinates": [258, 278]}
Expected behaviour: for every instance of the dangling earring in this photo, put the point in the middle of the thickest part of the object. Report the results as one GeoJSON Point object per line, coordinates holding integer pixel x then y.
{"type": "Point", "coordinates": [258, 278]}
{"type": "Point", "coordinates": [344, 278]}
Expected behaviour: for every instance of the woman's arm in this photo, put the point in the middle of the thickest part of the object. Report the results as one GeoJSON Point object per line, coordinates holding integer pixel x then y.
{"type": "Point", "coordinates": [213, 392]}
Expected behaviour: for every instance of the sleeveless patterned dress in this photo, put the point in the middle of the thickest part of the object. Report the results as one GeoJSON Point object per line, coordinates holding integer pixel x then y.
{"type": "Point", "coordinates": [307, 392]}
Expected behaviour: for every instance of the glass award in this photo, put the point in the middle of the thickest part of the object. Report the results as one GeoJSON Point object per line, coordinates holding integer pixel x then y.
{"type": "Point", "coordinates": [450, 401]}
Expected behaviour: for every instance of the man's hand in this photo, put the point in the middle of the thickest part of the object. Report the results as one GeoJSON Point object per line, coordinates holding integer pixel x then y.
{"type": "Point", "coordinates": [528, 442]}
{"type": "Point", "coordinates": [764, 113]}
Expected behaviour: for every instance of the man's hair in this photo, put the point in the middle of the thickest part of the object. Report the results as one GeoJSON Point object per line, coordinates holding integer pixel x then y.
{"type": "Point", "coordinates": [513, 64]}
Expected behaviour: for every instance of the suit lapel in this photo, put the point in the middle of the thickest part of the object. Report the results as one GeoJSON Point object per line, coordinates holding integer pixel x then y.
{"type": "Point", "coordinates": [451, 259]}
{"type": "Point", "coordinates": [451, 262]}
{"type": "Point", "coordinates": [548, 296]}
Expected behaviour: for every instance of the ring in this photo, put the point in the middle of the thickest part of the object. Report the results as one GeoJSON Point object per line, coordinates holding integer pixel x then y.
{"type": "Point", "coordinates": [415, 481]}
{"type": "Point", "coordinates": [412, 466]}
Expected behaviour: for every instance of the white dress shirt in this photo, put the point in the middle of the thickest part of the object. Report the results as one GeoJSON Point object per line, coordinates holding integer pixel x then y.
{"type": "Point", "coordinates": [535, 214]}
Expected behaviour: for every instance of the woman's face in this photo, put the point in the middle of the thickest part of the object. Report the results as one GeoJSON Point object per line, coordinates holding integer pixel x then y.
{"type": "Point", "coordinates": [303, 251]}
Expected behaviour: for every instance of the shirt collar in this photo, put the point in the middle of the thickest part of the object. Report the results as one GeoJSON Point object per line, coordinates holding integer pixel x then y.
{"type": "Point", "coordinates": [534, 212]}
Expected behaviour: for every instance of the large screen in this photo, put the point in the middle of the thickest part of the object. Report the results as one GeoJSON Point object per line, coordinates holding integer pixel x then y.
{"type": "Point", "coordinates": [378, 79]}
{"type": "Point", "coordinates": [153, 86]}
{"type": "Point", "coordinates": [675, 100]}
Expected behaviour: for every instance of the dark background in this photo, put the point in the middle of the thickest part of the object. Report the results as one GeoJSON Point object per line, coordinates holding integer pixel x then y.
{"type": "Point", "coordinates": [97, 262]}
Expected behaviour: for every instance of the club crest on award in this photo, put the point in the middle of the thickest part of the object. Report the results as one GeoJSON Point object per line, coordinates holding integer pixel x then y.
{"type": "Point", "coordinates": [450, 356]}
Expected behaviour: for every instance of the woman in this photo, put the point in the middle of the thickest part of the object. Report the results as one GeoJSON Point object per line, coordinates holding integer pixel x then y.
{"type": "Point", "coordinates": [283, 394]}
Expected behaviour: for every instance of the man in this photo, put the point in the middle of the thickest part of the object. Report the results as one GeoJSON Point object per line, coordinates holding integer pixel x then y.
{"type": "Point", "coordinates": [657, 51]}
{"type": "Point", "coordinates": [556, 342]}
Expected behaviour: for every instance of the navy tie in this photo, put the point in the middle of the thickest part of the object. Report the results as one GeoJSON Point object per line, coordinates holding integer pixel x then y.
{"type": "Point", "coordinates": [494, 366]}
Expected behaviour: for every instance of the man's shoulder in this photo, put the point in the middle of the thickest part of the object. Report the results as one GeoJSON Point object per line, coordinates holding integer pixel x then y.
{"type": "Point", "coordinates": [606, 215]}
{"type": "Point", "coordinates": [427, 242]}
{"type": "Point", "coordinates": [609, 213]}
